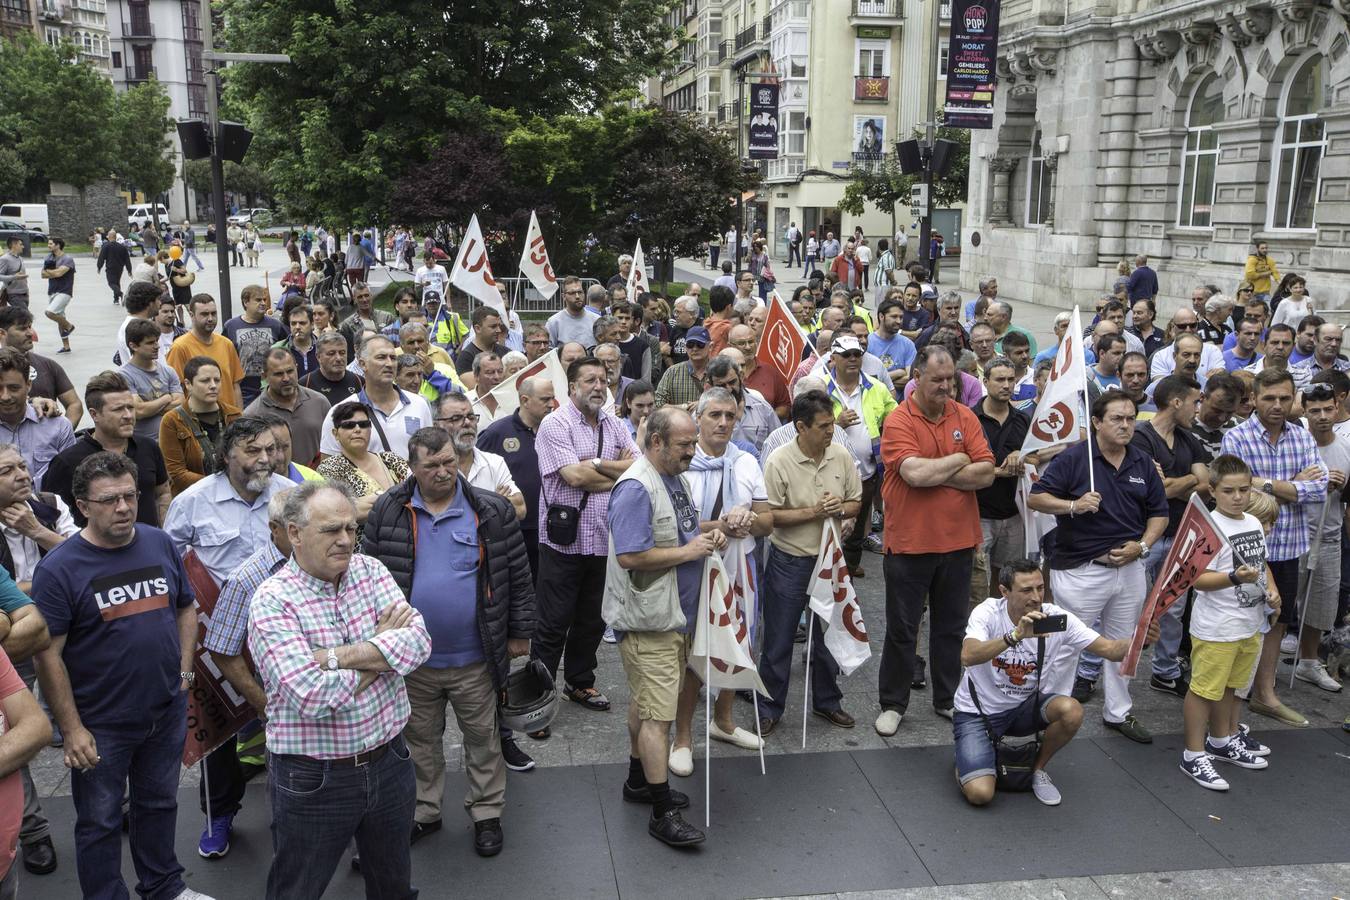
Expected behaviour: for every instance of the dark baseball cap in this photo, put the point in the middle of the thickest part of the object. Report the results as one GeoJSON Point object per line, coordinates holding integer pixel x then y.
{"type": "Point", "coordinates": [698, 335]}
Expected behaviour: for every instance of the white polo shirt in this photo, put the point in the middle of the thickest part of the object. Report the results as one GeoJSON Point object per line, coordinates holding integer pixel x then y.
{"type": "Point", "coordinates": [411, 413]}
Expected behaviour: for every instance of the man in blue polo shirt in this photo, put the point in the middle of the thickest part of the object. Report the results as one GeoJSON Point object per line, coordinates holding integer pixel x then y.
{"type": "Point", "coordinates": [1105, 527]}
{"type": "Point", "coordinates": [889, 345]}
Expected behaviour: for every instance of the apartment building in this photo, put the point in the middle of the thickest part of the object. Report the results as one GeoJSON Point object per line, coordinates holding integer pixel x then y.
{"type": "Point", "coordinates": [852, 77]}
{"type": "Point", "coordinates": [84, 23]}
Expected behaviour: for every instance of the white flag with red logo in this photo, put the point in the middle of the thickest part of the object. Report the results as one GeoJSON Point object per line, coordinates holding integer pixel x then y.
{"type": "Point", "coordinates": [1059, 417]}
{"type": "Point", "coordinates": [835, 601]}
{"type": "Point", "coordinates": [534, 263]}
{"type": "Point", "coordinates": [1035, 525]}
{"type": "Point", "coordinates": [1197, 542]}
{"type": "Point", "coordinates": [721, 635]}
{"type": "Point", "coordinates": [781, 342]}
{"type": "Point", "coordinates": [637, 275]}
{"type": "Point", "coordinates": [472, 272]}
{"type": "Point", "coordinates": [507, 394]}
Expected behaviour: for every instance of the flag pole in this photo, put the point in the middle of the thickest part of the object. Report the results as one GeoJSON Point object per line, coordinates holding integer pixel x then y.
{"type": "Point", "coordinates": [1311, 560]}
{"type": "Point", "coordinates": [1087, 408]}
{"type": "Point", "coordinates": [206, 793]}
{"type": "Point", "coordinates": [707, 731]}
{"type": "Point", "coordinates": [806, 691]}
{"type": "Point", "coordinates": [754, 695]}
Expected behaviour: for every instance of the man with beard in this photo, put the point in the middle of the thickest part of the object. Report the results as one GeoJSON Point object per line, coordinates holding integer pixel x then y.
{"type": "Point", "coordinates": [573, 322]}
{"type": "Point", "coordinates": [486, 471]}
{"type": "Point", "coordinates": [892, 347]}
{"type": "Point", "coordinates": [1305, 339]}
{"type": "Point", "coordinates": [223, 520]}
{"type": "Point", "coordinates": [583, 451]}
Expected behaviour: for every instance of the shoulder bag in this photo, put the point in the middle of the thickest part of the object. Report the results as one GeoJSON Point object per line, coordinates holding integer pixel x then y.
{"type": "Point", "coordinates": [1014, 757]}
{"type": "Point", "coordinates": [562, 521]}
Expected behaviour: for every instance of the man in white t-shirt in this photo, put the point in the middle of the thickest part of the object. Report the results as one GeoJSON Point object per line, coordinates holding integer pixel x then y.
{"type": "Point", "coordinates": [431, 276]}
{"type": "Point", "coordinates": [454, 413]}
{"type": "Point", "coordinates": [1001, 691]}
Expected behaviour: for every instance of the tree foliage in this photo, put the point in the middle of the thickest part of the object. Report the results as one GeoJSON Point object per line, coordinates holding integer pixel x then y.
{"type": "Point", "coordinates": [374, 87]}
{"type": "Point", "coordinates": [240, 178]}
{"type": "Point", "coordinates": [886, 187]}
{"type": "Point", "coordinates": [143, 156]}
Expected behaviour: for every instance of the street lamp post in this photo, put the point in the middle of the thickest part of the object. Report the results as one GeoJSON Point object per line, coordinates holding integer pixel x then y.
{"type": "Point", "coordinates": [926, 222]}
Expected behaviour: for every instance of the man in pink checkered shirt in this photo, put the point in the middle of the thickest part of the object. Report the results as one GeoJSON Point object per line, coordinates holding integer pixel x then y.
{"type": "Point", "coordinates": [332, 637]}
{"type": "Point", "coordinates": [582, 451]}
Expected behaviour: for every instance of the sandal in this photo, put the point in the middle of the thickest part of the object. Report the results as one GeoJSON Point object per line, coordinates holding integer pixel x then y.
{"type": "Point", "coordinates": [588, 697]}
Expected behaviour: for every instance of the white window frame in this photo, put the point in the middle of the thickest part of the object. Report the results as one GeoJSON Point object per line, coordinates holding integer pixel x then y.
{"type": "Point", "coordinates": [1046, 180]}
{"type": "Point", "coordinates": [1191, 159]}
{"type": "Point", "coordinates": [872, 46]}
{"type": "Point", "coordinates": [943, 53]}
{"type": "Point", "coordinates": [787, 134]}
{"type": "Point", "coordinates": [1299, 147]}
{"type": "Point", "coordinates": [51, 35]}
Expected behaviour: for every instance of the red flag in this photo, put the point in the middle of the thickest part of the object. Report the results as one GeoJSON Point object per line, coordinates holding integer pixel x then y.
{"type": "Point", "coordinates": [781, 342]}
{"type": "Point", "coordinates": [1197, 542]}
{"type": "Point", "coordinates": [216, 711]}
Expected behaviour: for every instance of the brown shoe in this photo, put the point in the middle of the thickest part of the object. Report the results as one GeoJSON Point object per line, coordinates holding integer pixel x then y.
{"type": "Point", "coordinates": [588, 697]}
{"type": "Point", "coordinates": [856, 571]}
{"type": "Point", "coordinates": [836, 717]}
{"type": "Point", "coordinates": [766, 726]}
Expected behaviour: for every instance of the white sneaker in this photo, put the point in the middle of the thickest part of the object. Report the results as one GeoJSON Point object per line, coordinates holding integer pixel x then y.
{"type": "Point", "coordinates": [1044, 788]}
{"type": "Point", "coordinates": [681, 762]}
{"type": "Point", "coordinates": [888, 723]}
{"type": "Point", "coordinates": [190, 894]}
{"type": "Point", "coordinates": [1289, 644]}
{"type": "Point", "coordinates": [1314, 671]}
{"type": "Point", "coordinates": [609, 636]}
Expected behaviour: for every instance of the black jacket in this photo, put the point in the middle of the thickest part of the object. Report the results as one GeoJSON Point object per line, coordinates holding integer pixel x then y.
{"type": "Point", "coordinates": [505, 584]}
{"type": "Point", "coordinates": [116, 257]}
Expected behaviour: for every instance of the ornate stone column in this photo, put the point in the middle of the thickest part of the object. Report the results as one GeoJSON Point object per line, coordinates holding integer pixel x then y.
{"type": "Point", "coordinates": [1000, 202]}
{"type": "Point", "coordinates": [1051, 163]}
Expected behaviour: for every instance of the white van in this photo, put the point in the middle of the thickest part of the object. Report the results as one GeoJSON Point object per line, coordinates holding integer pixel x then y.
{"type": "Point", "coordinates": [30, 215]}
{"type": "Point", "coordinates": [141, 214]}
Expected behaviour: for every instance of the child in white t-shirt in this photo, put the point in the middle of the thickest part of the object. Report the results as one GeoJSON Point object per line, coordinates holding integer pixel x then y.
{"type": "Point", "coordinates": [1233, 599]}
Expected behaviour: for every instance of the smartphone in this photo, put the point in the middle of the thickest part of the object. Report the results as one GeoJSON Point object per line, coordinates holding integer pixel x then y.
{"type": "Point", "coordinates": [1050, 624]}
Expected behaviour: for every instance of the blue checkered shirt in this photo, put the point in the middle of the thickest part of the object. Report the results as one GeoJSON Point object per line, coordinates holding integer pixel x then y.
{"type": "Point", "coordinates": [227, 627]}
{"type": "Point", "coordinates": [1292, 453]}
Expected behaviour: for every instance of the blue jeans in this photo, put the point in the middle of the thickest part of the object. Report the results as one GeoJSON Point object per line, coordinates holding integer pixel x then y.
{"type": "Point", "coordinates": [190, 253]}
{"type": "Point", "coordinates": [783, 599]}
{"type": "Point", "coordinates": [150, 757]}
{"type": "Point", "coordinates": [975, 756]}
{"type": "Point", "coordinates": [1165, 664]}
{"type": "Point", "coordinates": [317, 808]}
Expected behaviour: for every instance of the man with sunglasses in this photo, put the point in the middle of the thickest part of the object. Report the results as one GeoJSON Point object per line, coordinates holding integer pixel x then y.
{"type": "Point", "coordinates": [1164, 361]}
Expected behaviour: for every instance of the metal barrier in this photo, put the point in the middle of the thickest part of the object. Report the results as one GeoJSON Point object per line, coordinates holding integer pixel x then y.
{"type": "Point", "coordinates": [526, 299]}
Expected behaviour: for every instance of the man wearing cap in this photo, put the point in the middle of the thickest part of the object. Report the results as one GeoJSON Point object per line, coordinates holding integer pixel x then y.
{"type": "Point", "coordinates": [683, 383]}
{"type": "Point", "coordinates": [861, 405]}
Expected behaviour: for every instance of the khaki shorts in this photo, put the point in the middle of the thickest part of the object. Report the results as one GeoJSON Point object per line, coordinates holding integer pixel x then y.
{"type": "Point", "coordinates": [654, 662]}
{"type": "Point", "coordinates": [1219, 665]}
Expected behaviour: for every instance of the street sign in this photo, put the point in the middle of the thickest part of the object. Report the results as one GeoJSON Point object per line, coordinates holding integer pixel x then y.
{"type": "Point", "coordinates": [918, 200]}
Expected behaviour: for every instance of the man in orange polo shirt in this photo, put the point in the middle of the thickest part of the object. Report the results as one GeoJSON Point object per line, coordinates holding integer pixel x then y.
{"type": "Point", "coordinates": [936, 458]}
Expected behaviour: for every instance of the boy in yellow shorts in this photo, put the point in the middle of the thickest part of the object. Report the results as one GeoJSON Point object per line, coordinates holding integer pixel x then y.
{"type": "Point", "coordinates": [1232, 601]}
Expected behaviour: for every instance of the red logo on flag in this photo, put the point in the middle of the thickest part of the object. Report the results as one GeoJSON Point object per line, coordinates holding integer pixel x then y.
{"type": "Point", "coordinates": [781, 344]}
{"type": "Point", "coordinates": [1055, 425]}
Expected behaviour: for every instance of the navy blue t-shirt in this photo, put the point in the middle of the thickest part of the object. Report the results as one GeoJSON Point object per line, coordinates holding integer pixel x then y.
{"type": "Point", "coordinates": [511, 439]}
{"type": "Point", "coordinates": [118, 611]}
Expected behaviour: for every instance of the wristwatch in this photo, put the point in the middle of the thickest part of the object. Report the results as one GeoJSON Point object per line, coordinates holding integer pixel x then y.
{"type": "Point", "coordinates": [332, 659]}
{"type": "Point", "coordinates": [1268, 487]}
{"type": "Point", "coordinates": [189, 677]}
{"type": "Point", "coordinates": [1143, 549]}
{"type": "Point", "coordinates": [595, 463]}
{"type": "Point", "coordinates": [1233, 577]}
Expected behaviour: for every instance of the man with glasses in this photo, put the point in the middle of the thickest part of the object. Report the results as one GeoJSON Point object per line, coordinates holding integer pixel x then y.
{"type": "Point", "coordinates": [573, 322]}
{"type": "Point", "coordinates": [745, 287]}
{"type": "Point", "coordinates": [1185, 322]}
{"type": "Point", "coordinates": [116, 675]}
{"type": "Point", "coordinates": [512, 438]}
{"type": "Point", "coordinates": [537, 341]}
{"type": "Point", "coordinates": [683, 383]}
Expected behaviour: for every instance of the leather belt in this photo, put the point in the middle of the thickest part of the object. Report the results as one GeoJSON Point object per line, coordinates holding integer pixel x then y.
{"type": "Point", "coordinates": [365, 758]}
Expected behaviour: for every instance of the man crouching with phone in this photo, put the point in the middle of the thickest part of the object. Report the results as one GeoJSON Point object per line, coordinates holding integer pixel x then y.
{"type": "Point", "coordinates": [1010, 640]}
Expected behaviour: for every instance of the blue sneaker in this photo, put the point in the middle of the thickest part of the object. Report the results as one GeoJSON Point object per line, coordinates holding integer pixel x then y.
{"type": "Point", "coordinates": [215, 840]}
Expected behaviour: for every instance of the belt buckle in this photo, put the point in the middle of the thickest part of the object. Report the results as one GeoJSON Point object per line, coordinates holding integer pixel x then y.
{"type": "Point", "coordinates": [362, 759]}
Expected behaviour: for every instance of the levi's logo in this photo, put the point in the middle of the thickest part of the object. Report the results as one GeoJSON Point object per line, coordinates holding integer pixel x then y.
{"type": "Point", "coordinates": [130, 593]}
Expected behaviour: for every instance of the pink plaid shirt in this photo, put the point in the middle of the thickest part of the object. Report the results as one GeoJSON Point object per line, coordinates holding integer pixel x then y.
{"type": "Point", "coordinates": [310, 710]}
{"type": "Point", "coordinates": [565, 438]}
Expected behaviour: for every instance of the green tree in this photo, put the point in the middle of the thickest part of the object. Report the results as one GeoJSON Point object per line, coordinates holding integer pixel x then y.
{"type": "Point", "coordinates": [886, 187]}
{"type": "Point", "coordinates": [240, 178]}
{"type": "Point", "coordinates": [373, 87]}
{"type": "Point", "coordinates": [144, 151]}
{"type": "Point", "coordinates": [13, 173]}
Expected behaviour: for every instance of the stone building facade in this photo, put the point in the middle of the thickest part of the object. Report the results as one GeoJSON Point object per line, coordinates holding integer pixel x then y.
{"type": "Point", "coordinates": [1180, 130]}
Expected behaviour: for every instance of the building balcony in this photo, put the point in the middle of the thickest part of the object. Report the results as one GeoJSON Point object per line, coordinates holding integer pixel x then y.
{"type": "Point", "coordinates": [790, 12]}
{"type": "Point", "coordinates": [869, 162]}
{"type": "Point", "coordinates": [136, 76]}
{"type": "Point", "coordinates": [747, 39]}
{"type": "Point", "coordinates": [726, 114]}
{"type": "Point", "coordinates": [871, 90]}
{"type": "Point", "coordinates": [138, 31]}
{"type": "Point", "coordinates": [877, 12]}
{"type": "Point", "coordinates": [725, 51]}
{"type": "Point", "coordinates": [785, 168]}
{"type": "Point", "coordinates": [945, 10]}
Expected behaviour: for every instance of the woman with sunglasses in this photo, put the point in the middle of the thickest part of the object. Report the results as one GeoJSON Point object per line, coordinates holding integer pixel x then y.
{"type": "Point", "coordinates": [190, 432]}
{"type": "Point", "coordinates": [367, 475]}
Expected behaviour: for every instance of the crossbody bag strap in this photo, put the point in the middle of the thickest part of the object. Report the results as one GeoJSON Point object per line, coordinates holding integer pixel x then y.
{"type": "Point", "coordinates": [599, 452]}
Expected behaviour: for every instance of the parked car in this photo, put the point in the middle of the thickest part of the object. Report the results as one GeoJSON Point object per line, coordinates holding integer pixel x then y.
{"type": "Point", "coordinates": [143, 213]}
{"type": "Point", "coordinates": [257, 215]}
{"type": "Point", "coordinates": [31, 236]}
{"type": "Point", "coordinates": [29, 215]}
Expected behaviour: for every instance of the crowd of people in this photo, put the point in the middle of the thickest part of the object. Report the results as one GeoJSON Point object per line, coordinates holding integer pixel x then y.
{"type": "Point", "coordinates": [388, 526]}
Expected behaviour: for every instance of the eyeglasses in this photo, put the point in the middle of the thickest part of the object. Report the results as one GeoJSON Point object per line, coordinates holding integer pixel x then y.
{"type": "Point", "coordinates": [354, 424]}
{"type": "Point", "coordinates": [456, 420]}
{"type": "Point", "coordinates": [130, 497]}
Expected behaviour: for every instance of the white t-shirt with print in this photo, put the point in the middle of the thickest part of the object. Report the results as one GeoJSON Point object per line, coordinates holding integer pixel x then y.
{"type": "Point", "coordinates": [1234, 613]}
{"type": "Point", "coordinates": [1008, 679]}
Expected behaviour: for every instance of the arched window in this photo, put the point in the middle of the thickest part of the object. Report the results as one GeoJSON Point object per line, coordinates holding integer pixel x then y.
{"type": "Point", "coordinates": [1302, 141]}
{"type": "Point", "coordinates": [1039, 184]}
{"type": "Point", "coordinates": [1202, 154]}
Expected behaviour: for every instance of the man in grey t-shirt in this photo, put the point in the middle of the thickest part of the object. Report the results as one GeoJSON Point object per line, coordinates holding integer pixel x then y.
{"type": "Point", "coordinates": [573, 322]}
{"type": "Point", "coordinates": [13, 278]}
{"type": "Point", "coordinates": [1318, 612]}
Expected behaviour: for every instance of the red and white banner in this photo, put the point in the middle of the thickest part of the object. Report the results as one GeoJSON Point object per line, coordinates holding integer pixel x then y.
{"type": "Point", "coordinates": [1035, 525]}
{"type": "Point", "coordinates": [835, 601]}
{"type": "Point", "coordinates": [637, 275]}
{"type": "Point", "coordinates": [721, 635]}
{"type": "Point", "coordinates": [1197, 542]}
{"type": "Point", "coordinates": [472, 272]}
{"type": "Point", "coordinates": [781, 343]}
{"type": "Point", "coordinates": [216, 711]}
{"type": "Point", "coordinates": [507, 394]}
{"type": "Point", "coordinates": [534, 263]}
{"type": "Point", "coordinates": [1059, 416]}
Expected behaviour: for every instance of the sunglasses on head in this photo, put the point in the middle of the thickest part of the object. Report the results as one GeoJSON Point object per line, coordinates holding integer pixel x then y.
{"type": "Point", "coordinates": [1318, 393]}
